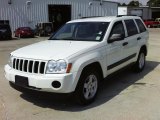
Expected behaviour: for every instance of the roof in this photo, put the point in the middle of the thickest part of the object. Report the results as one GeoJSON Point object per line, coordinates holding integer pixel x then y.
{"type": "Point", "coordinates": [103, 19]}
{"type": "Point", "coordinates": [94, 19]}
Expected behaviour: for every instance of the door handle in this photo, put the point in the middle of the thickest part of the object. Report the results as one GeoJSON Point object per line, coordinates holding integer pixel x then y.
{"type": "Point", "coordinates": [125, 43]}
{"type": "Point", "coordinates": [139, 38]}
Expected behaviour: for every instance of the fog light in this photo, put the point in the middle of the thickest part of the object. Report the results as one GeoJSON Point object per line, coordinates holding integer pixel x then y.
{"type": "Point", "coordinates": [56, 84]}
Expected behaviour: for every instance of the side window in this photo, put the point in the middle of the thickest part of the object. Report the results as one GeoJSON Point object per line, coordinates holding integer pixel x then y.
{"type": "Point", "coordinates": [140, 25]}
{"type": "Point", "coordinates": [117, 32]}
{"type": "Point", "coordinates": [131, 27]}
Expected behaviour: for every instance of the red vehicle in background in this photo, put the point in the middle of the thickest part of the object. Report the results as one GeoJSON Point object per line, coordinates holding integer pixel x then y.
{"type": "Point", "coordinates": [151, 23]}
{"type": "Point", "coordinates": [24, 32]}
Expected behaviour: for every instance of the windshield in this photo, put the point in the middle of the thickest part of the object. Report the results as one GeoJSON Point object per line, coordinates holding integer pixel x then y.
{"type": "Point", "coordinates": [82, 31]}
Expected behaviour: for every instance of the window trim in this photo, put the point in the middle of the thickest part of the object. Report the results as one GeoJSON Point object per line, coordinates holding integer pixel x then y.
{"type": "Point", "coordinates": [112, 30]}
{"type": "Point", "coordinates": [139, 27]}
{"type": "Point", "coordinates": [127, 29]}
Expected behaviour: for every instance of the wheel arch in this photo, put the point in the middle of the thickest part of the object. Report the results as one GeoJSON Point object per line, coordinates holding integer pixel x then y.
{"type": "Point", "coordinates": [94, 65]}
{"type": "Point", "coordinates": [85, 66]}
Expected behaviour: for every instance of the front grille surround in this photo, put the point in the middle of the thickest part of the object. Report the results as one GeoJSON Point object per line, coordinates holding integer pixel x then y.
{"type": "Point", "coordinates": [29, 65]}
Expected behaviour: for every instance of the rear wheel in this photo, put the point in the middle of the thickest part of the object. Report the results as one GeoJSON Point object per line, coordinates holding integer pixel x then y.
{"type": "Point", "coordinates": [87, 87]}
{"type": "Point", "coordinates": [140, 64]}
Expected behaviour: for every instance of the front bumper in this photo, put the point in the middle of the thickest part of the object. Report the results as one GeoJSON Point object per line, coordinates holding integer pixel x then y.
{"type": "Point", "coordinates": [43, 82]}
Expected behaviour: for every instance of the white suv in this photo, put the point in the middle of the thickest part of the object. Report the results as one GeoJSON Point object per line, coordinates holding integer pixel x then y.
{"type": "Point", "coordinates": [80, 55]}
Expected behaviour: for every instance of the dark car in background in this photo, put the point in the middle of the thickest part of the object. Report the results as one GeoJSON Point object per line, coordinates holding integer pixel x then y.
{"type": "Point", "coordinates": [5, 32]}
{"type": "Point", "coordinates": [22, 32]}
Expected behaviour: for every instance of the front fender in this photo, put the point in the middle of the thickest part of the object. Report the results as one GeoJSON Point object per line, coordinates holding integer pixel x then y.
{"type": "Point", "coordinates": [84, 61]}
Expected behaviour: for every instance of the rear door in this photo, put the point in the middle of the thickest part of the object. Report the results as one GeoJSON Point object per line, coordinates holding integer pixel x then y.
{"type": "Point", "coordinates": [131, 41]}
{"type": "Point", "coordinates": [143, 33]}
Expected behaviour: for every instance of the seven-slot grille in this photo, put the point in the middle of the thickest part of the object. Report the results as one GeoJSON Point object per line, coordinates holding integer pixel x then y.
{"type": "Point", "coordinates": [30, 66]}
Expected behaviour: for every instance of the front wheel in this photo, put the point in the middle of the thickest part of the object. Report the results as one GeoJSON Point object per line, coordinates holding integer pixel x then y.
{"type": "Point", "coordinates": [87, 87]}
{"type": "Point", "coordinates": [140, 64]}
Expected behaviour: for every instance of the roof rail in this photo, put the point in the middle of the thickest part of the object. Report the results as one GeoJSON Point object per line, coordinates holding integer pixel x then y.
{"type": "Point", "coordinates": [90, 17]}
{"type": "Point", "coordinates": [125, 15]}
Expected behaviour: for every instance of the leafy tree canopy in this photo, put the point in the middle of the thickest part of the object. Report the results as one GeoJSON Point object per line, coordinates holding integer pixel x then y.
{"type": "Point", "coordinates": [153, 3]}
{"type": "Point", "coordinates": [123, 4]}
{"type": "Point", "coordinates": [134, 3]}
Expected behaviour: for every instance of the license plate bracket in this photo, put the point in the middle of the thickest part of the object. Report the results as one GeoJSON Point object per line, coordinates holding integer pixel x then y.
{"type": "Point", "coordinates": [21, 81]}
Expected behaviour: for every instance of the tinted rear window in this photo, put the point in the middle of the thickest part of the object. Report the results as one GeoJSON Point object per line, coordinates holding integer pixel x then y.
{"type": "Point", "coordinates": [140, 25]}
{"type": "Point", "coordinates": [131, 27]}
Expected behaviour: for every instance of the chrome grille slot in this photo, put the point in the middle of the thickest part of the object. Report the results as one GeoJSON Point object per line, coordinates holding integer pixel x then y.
{"type": "Point", "coordinates": [14, 63]}
{"type": "Point", "coordinates": [17, 64]}
{"type": "Point", "coordinates": [36, 64]}
{"type": "Point", "coordinates": [20, 64]}
{"type": "Point", "coordinates": [42, 67]}
{"type": "Point", "coordinates": [25, 65]}
{"type": "Point", "coordinates": [29, 66]}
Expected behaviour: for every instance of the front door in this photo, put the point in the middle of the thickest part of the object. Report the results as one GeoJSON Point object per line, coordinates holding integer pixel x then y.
{"type": "Point", "coordinates": [115, 48]}
{"type": "Point", "coordinates": [59, 15]}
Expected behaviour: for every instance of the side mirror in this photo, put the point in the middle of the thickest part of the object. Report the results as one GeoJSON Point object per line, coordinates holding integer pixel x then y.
{"type": "Point", "coordinates": [115, 37]}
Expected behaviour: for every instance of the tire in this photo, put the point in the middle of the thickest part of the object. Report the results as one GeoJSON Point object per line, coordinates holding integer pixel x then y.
{"type": "Point", "coordinates": [87, 87]}
{"type": "Point", "coordinates": [140, 63]}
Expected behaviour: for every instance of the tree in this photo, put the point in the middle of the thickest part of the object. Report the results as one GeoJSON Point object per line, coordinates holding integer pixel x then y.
{"type": "Point", "coordinates": [119, 4]}
{"type": "Point", "coordinates": [134, 3]}
{"type": "Point", "coordinates": [123, 4]}
{"type": "Point", "coordinates": [153, 3]}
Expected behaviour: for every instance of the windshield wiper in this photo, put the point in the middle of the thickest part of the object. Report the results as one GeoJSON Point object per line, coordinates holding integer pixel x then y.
{"type": "Point", "coordinates": [53, 39]}
{"type": "Point", "coordinates": [61, 39]}
{"type": "Point", "coordinates": [67, 39]}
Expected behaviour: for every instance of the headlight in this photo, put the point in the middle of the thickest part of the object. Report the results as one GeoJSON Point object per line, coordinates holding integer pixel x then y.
{"type": "Point", "coordinates": [10, 61]}
{"type": "Point", "coordinates": [59, 66]}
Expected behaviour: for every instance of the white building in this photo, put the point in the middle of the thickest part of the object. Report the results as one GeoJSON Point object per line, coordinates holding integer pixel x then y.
{"type": "Point", "coordinates": [22, 13]}
{"type": "Point", "coordinates": [143, 11]}
{"type": "Point", "coordinates": [122, 10]}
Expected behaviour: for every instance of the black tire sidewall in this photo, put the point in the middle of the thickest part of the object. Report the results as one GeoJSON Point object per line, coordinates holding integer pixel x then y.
{"type": "Point", "coordinates": [137, 68]}
{"type": "Point", "coordinates": [80, 87]}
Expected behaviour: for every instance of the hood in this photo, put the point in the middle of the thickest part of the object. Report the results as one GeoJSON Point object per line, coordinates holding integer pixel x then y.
{"type": "Point", "coordinates": [51, 49]}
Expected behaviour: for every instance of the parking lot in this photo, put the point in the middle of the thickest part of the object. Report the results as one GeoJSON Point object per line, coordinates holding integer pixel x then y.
{"type": "Point", "coordinates": [126, 96]}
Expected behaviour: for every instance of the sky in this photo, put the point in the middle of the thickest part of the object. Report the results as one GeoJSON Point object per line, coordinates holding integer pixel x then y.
{"type": "Point", "coordinates": [127, 1]}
